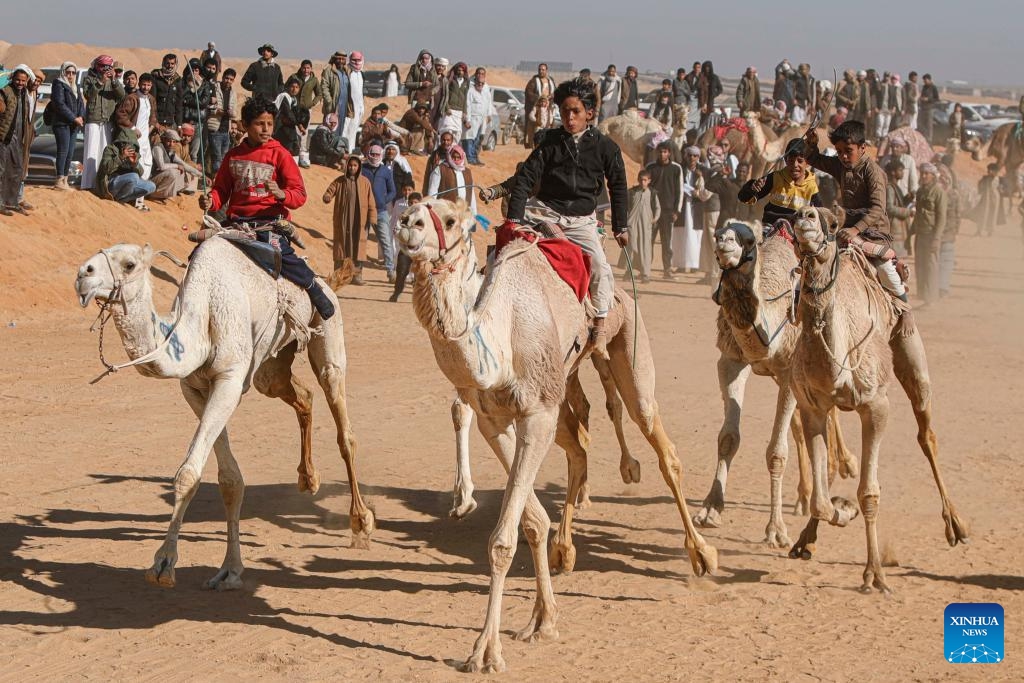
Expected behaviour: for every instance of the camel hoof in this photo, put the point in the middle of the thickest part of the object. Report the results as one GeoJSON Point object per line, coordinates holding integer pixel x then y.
{"type": "Point", "coordinates": [630, 471]}
{"type": "Point", "coordinates": [776, 537]}
{"type": "Point", "coordinates": [802, 506]}
{"type": "Point", "coordinates": [708, 517]}
{"type": "Point", "coordinates": [845, 511]}
{"type": "Point", "coordinates": [537, 634]}
{"type": "Point", "coordinates": [704, 559]}
{"type": "Point", "coordinates": [803, 549]}
{"type": "Point", "coordinates": [957, 530]}
{"type": "Point", "coordinates": [494, 664]}
{"type": "Point", "coordinates": [162, 572]}
{"type": "Point", "coordinates": [363, 525]}
{"type": "Point", "coordinates": [583, 498]}
{"type": "Point", "coordinates": [309, 482]}
{"type": "Point", "coordinates": [561, 558]}
{"type": "Point", "coordinates": [875, 580]}
{"type": "Point", "coordinates": [463, 510]}
{"type": "Point", "coordinates": [224, 580]}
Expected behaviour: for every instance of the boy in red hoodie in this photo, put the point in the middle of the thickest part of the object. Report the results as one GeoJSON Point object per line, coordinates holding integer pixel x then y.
{"type": "Point", "coordinates": [258, 182]}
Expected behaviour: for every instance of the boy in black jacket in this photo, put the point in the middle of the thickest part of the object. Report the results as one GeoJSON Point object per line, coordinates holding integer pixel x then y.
{"type": "Point", "coordinates": [569, 166]}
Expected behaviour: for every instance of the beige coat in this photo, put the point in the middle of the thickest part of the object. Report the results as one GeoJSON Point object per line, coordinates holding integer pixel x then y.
{"type": "Point", "coordinates": [350, 240]}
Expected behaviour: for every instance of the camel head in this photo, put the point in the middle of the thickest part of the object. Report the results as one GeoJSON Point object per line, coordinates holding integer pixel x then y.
{"type": "Point", "coordinates": [436, 231]}
{"type": "Point", "coordinates": [736, 244]}
{"type": "Point", "coordinates": [122, 264]}
{"type": "Point", "coordinates": [814, 228]}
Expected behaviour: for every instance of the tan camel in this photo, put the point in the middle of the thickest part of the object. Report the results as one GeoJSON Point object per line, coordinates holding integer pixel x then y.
{"type": "Point", "coordinates": [842, 359]}
{"type": "Point", "coordinates": [754, 333]}
{"type": "Point", "coordinates": [633, 132]}
{"type": "Point", "coordinates": [235, 327]}
{"type": "Point", "coordinates": [510, 352]}
{"type": "Point", "coordinates": [764, 151]}
{"type": "Point", "coordinates": [1007, 147]}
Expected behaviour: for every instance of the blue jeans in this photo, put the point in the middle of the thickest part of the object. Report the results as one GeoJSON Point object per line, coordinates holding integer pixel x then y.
{"type": "Point", "coordinates": [65, 149]}
{"type": "Point", "coordinates": [384, 243]}
{"type": "Point", "coordinates": [220, 143]}
{"type": "Point", "coordinates": [472, 152]}
{"type": "Point", "coordinates": [128, 187]}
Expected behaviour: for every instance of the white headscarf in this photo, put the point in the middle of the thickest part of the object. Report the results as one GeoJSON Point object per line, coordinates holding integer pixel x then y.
{"type": "Point", "coordinates": [73, 83]}
{"type": "Point", "coordinates": [399, 160]}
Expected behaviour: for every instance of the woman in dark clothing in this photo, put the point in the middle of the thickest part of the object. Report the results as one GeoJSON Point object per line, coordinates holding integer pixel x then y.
{"type": "Point", "coordinates": [68, 112]}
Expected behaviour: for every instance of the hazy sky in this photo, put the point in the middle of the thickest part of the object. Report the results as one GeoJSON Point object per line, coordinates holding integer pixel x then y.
{"type": "Point", "coordinates": [974, 40]}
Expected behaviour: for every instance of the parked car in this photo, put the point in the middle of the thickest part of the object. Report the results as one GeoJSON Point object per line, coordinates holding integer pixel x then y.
{"type": "Point", "coordinates": [374, 82]}
{"type": "Point", "coordinates": [510, 104]}
{"type": "Point", "coordinates": [42, 162]}
{"type": "Point", "coordinates": [646, 102]}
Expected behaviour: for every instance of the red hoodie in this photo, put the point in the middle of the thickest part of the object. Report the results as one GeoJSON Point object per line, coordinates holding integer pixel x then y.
{"type": "Point", "coordinates": [243, 175]}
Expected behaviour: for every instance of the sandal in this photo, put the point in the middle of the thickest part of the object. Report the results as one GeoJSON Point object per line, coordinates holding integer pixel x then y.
{"type": "Point", "coordinates": [142, 207]}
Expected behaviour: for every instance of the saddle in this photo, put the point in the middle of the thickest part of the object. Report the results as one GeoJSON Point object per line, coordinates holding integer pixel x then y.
{"type": "Point", "coordinates": [568, 261]}
{"type": "Point", "coordinates": [258, 239]}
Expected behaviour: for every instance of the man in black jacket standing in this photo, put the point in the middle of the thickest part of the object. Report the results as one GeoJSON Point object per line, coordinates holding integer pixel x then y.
{"type": "Point", "coordinates": [571, 164]}
{"type": "Point", "coordinates": [169, 93]}
{"type": "Point", "coordinates": [667, 183]}
{"type": "Point", "coordinates": [264, 77]}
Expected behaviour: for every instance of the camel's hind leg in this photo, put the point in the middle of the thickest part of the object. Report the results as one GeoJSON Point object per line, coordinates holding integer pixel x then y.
{"type": "Point", "coordinates": [572, 436]}
{"type": "Point", "coordinates": [873, 418]}
{"type": "Point", "coordinates": [462, 419]}
{"type": "Point", "coordinates": [580, 406]}
{"type": "Point", "coordinates": [636, 387]}
{"type": "Point", "coordinates": [275, 379]}
{"type": "Point", "coordinates": [911, 369]}
{"type": "Point", "coordinates": [521, 451]}
{"type": "Point", "coordinates": [840, 460]}
{"type": "Point", "coordinates": [327, 357]}
{"type": "Point", "coordinates": [805, 485]}
{"type": "Point", "coordinates": [221, 400]}
{"type": "Point", "coordinates": [629, 467]}
{"type": "Point", "coordinates": [732, 381]}
{"type": "Point", "coordinates": [775, 534]}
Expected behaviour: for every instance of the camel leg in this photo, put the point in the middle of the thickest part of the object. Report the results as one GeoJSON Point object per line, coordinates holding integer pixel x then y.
{"type": "Point", "coordinates": [629, 467]}
{"type": "Point", "coordinates": [462, 419]}
{"type": "Point", "coordinates": [571, 436]}
{"type": "Point", "coordinates": [840, 459]}
{"type": "Point", "coordinates": [873, 418]}
{"type": "Point", "coordinates": [732, 380]}
{"type": "Point", "coordinates": [804, 486]}
{"type": "Point", "coordinates": [534, 435]}
{"type": "Point", "coordinates": [580, 406]}
{"type": "Point", "coordinates": [327, 357]}
{"type": "Point", "coordinates": [778, 451]}
{"type": "Point", "coordinates": [232, 490]}
{"type": "Point", "coordinates": [276, 380]}
{"type": "Point", "coordinates": [836, 511]}
{"type": "Point", "coordinates": [911, 369]}
{"type": "Point", "coordinates": [221, 401]}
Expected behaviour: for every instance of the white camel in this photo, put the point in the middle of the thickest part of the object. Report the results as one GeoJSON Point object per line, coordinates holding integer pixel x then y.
{"type": "Point", "coordinates": [234, 327]}
{"type": "Point", "coordinates": [633, 132]}
{"type": "Point", "coordinates": [510, 352]}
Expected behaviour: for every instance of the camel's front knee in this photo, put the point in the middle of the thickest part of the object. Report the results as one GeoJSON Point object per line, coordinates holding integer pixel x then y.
{"type": "Point", "coordinates": [728, 442]}
{"type": "Point", "coordinates": [776, 461]}
{"type": "Point", "coordinates": [501, 551]}
{"type": "Point", "coordinates": [645, 414]}
{"type": "Point", "coordinates": [536, 530]}
{"type": "Point", "coordinates": [185, 481]}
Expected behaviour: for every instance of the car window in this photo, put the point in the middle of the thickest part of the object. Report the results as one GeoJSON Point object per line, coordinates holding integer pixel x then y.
{"type": "Point", "coordinates": [500, 97]}
{"type": "Point", "coordinates": [520, 96]}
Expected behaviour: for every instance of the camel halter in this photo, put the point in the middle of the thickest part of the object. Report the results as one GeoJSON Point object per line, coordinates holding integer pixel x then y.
{"type": "Point", "coordinates": [117, 297]}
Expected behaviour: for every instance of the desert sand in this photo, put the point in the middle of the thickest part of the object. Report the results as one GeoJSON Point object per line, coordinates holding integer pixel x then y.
{"type": "Point", "coordinates": [88, 482]}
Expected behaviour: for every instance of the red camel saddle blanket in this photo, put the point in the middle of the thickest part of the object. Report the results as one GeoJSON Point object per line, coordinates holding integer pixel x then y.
{"type": "Point", "coordinates": [731, 124]}
{"type": "Point", "coordinates": [567, 259]}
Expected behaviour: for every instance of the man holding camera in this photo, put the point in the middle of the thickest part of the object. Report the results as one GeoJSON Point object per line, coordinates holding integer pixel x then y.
{"type": "Point", "coordinates": [102, 93]}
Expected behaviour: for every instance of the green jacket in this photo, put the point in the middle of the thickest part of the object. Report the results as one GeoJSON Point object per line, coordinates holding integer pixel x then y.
{"type": "Point", "coordinates": [330, 85]}
{"type": "Point", "coordinates": [311, 91]}
{"type": "Point", "coordinates": [932, 206]}
{"type": "Point", "coordinates": [101, 98]}
{"type": "Point", "coordinates": [112, 165]}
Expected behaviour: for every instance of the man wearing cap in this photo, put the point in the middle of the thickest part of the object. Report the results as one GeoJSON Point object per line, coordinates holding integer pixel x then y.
{"type": "Point", "coordinates": [264, 77]}
{"type": "Point", "coordinates": [334, 88]}
{"type": "Point", "coordinates": [102, 94]}
{"type": "Point", "coordinates": [355, 95]}
{"type": "Point", "coordinates": [16, 134]}
{"type": "Point", "coordinates": [211, 52]}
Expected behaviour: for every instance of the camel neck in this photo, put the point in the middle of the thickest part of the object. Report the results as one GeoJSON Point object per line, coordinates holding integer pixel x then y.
{"type": "Point", "coordinates": [142, 329]}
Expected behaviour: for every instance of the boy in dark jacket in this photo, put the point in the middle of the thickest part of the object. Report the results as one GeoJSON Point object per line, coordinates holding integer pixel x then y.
{"type": "Point", "coordinates": [571, 164]}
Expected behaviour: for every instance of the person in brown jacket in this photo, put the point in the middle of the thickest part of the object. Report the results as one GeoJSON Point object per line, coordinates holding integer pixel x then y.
{"type": "Point", "coordinates": [862, 196]}
{"type": "Point", "coordinates": [354, 209]}
{"type": "Point", "coordinates": [927, 229]}
{"type": "Point", "coordinates": [16, 134]}
{"type": "Point", "coordinates": [420, 139]}
{"type": "Point", "coordinates": [126, 116]}
{"type": "Point", "coordinates": [896, 207]}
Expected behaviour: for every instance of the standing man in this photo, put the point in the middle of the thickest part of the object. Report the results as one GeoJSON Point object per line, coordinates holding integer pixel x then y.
{"type": "Point", "coordinates": [805, 90]}
{"type": "Point", "coordinates": [927, 228]}
{"type": "Point", "coordinates": [897, 107]}
{"type": "Point", "coordinates": [137, 113]}
{"type": "Point", "coordinates": [102, 93]}
{"type": "Point", "coordinates": [479, 101]}
{"type": "Point", "coordinates": [667, 183]}
{"type": "Point", "coordinates": [198, 94]}
{"type": "Point", "coordinates": [382, 185]}
{"type": "Point", "coordinates": [862, 107]}
{"type": "Point", "coordinates": [439, 96]}
{"type": "Point", "coordinates": [168, 91]}
{"type": "Point", "coordinates": [334, 88]}
{"type": "Point", "coordinates": [309, 96]}
{"type": "Point", "coordinates": [926, 102]}
{"type": "Point", "coordinates": [264, 77]}
{"type": "Point", "coordinates": [541, 85]}
{"type": "Point", "coordinates": [355, 96]}
{"type": "Point", "coordinates": [16, 134]}
{"type": "Point", "coordinates": [211, 52]}
{"type": "Point", "coordinates": [630, 98]}
{"type": "Point", "coordinates": [421, 80]}
{"type": "Point", "coordinates": [883, 107]}
{"type": "Point", "coordinates": [610, 91]}
{"type": "Point", "coordinates": [911, 100]}
{"type": "Point", "coordinates": [219, 123]}
{"type": "Point", "coordinates": [748, 92]}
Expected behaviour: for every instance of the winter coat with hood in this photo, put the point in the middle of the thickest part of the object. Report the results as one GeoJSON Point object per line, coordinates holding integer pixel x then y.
{"type": "Point", "coordinates": [264, 78]}
{"type": "Point", "coordinates": [415, 78]}
{"type": "Point", "coordinates": [67, 105]}
{"type": "Point", "coordinates": [8, 109]}
{"type": "Point", "coordinates": [112, 164]}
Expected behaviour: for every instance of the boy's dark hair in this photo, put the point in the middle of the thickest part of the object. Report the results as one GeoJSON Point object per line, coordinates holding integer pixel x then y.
{"type": "Point", "coordinates": [579, 88]}
{"type": "Point", "coordinates": [415, 197]}
{"type": "Point", "coordinates": [851, 132]}
{"type": "Point", "coordinates": [893, 165]}
{"type": "Point", "coordinates": [128, 73]}
{"type": "Point", "coordinates": [584, 72]}
{"type": "Point", "coordinates": [383, 106]}
{"type": "Point", "coordinates": [664, 144]}
{"type": "Point", "coordinates": [666, 81]}
{"type": "Point", "coordinates": [143, 78]}
{"type": "Point", "coordinates": [305, 62]}
{"type": "Point", "coordinates": [927, 76]}
{"type": "Point", "coordinates": [292, 81]}
{"type": "Point", "coordinates": [796, 148]}
{"type": "Point", "coordinates": [257, 106]}
{"type": "Point", "coordinates": [644, 173]}
{"type": "Point", "coordinates": [229, 72]}
{"type": "Point", "coordinates": [911, 74]}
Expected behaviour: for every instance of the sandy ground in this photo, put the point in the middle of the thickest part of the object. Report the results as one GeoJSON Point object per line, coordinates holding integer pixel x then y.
{"type": "Point", "coordinates": [88, 482]}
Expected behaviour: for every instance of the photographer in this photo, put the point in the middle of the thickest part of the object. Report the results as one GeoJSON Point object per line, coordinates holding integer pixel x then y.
{"type": "Point", "coordinates": [119, 175]}
{"type": "Point", "coordinates": [102, 93]}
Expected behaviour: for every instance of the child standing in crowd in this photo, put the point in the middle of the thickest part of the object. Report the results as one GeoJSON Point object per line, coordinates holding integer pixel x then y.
{"type": "Point", "coordinates": [292, 119]}
{"type": "Point", "coordinates": [644, 211]}
{"type": "Point", "coordinates": [406, 199]}
{"type": "Point", "coordinates": [541, 116]}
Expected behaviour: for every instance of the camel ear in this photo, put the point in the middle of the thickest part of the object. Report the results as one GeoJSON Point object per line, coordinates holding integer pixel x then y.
{"type": "Point", "coordinates": [147, 254]}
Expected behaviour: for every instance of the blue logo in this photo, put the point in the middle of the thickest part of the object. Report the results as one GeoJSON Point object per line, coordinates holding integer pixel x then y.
{"type": "Point", "coordinates": [974, 633]}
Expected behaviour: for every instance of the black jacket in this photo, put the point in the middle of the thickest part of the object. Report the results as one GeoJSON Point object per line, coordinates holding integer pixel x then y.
{"type": "Point", "coordinates": [571, 176]}
{"type": "Point", "coordinates": [190, 108]}
{"type": "Point", "coordinates": [667, 183]}
{"type": "Point", "coordinates": [169, 99]}
{"type": "Point", "coordinates": [67, 107]}
{"type": "Point", "coordinates": [264, 80]}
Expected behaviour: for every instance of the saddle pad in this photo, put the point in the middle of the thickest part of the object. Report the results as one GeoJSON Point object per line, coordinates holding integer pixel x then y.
{"type": "Point", "coordinates": [566, 258]}
{"type": "Point", "coordinates": [264, 255]}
